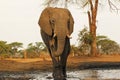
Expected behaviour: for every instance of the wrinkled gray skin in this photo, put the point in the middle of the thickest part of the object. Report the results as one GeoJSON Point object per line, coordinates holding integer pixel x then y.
{"type": "Point", "coordinates": [56, 27]}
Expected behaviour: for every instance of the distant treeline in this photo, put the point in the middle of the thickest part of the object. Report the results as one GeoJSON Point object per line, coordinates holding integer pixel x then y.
{"type": "Point", "coordinates": [34, 50]}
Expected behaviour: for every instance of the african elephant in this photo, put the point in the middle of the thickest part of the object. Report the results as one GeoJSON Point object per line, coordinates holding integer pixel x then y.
{"type": "Point", "coordinates": [56, 27]}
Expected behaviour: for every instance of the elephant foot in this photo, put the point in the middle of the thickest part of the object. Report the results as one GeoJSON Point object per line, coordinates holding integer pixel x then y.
{"type": "Point", "coordinates": [65, 75]}
{"type": "Point", "coordinates": [64, 72]}
{"type": "Point", "coordinates": [59, 78]}
{"type": "Point", "coordinates": [58, 75]}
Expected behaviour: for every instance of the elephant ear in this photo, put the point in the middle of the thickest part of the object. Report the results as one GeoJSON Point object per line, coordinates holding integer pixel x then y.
{"type": "Point", "coordinates": [44, 21]}
{"type": "Point", "coordinates": [70, 23]}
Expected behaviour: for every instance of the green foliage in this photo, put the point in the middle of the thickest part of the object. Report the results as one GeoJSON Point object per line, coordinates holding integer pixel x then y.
{"type": "Point", "coordinates": [8, 50]}
{"type": "Point", "coordinates": [84, 40]}
{"type": "Point", "coordinates": [14, 49]}
{"type": "Point", "coordinates": [74, 49]}
{"type": "Point", "coordinates": [104, 44]}
{"type": "Point", "coordinates": [15, 46]}
{"type": "Point", "coordinates": [108, 46]}
{"type": "Point", "coordinates": [34, 50]}
{"type": "Point", "coordinates": [4, 47]}
{"type": "Point", "coordinates": [84, 36]}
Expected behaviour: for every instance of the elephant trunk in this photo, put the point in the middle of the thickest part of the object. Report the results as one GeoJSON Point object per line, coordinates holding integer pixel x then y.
{"type": "Point", "coordinates": [61, 34]}
{"type": "Point", "coordinates": [60, 47]}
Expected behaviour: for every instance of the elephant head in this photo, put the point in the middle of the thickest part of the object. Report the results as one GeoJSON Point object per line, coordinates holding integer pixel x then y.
{"type": "Point", "coordinates": [57, 22]}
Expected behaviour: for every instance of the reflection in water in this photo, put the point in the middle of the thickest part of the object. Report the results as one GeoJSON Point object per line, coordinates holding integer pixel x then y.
{"type": "Point", "coordinates": [72, 75]}
{"type": "Point", "coordinates": [95, 74]}
{"type": "Point", "coordinates": [109, 74]}
{"type": "Point", "coordinates": [83, 74]}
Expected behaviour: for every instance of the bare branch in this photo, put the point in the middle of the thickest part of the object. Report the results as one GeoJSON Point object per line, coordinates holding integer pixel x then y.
{"type": "Point", "coordinates": [66, 1]}
{"type": "Point", "coordinates": [89, 19]}
{"type": "Point", "coordinates": [113, 6]}
{"type": "Point", "coordinates": [91, 4]}
{"type": "Point", "coordinates": [96, 7]}
{"type": "Point", "coordinates": [96, 4]}
{"type": "Point", "coordinates": [84, 4]}
{"type": "Point", "coordinates": [50, 2]}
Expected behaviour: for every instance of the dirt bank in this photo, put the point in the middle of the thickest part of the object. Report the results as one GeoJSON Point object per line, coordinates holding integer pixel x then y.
{"type": "Point", "coordinates": [45, 64]}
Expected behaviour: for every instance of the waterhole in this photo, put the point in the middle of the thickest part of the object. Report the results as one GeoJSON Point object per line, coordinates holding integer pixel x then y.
{"type": "Point", "coordinates": [113, 74]}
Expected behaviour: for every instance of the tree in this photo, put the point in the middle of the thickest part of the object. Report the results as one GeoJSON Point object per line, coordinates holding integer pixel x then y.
{"type": "Point", "coordinates": [104, 44]}
{"type": "Point", "coordinates": [31, 51]}
{"type": "Point", "coordinates": [39, 46]}
{"type": "Point", "coordinates": [84, 41]}
{"type": "Point", "coordinates": [107, 46]}
{"type": "Point", "coordinates": [4, 48]}
{"type": "Point", "coordinates": [15, 46]}
{"type": "Point", "coordinates": [75, 50]}
{"type": "Point", "coordinates": [35, 49]}
{"type": "Point", "coordinates": [92, 15]}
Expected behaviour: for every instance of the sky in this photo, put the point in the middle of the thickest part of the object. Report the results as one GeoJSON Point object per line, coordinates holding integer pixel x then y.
{"type": "Point", "coordinates": [19, 22]}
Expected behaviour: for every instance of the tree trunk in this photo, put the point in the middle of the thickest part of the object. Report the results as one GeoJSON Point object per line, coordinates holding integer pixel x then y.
{"type": "Point", "coordinates": [93, 44]}
{"type": "Point", "coordinates": [92, 25]}
{"type": "Point", "coordinates": [25, 54]}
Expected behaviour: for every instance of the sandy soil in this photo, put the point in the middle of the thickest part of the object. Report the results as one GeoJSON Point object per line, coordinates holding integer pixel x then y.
{"type": "Point", "coordinates": [45, 64]}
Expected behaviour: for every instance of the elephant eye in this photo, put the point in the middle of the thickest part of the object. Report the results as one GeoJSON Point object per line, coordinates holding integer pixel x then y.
{"type": "Point", "coordinates": [52, 21]}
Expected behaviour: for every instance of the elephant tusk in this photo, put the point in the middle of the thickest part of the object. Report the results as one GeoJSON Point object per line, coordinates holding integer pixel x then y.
{"type": "Point", "coordinates": [69, 36]}
{"type": "Point", "coordinates": [54, 35]}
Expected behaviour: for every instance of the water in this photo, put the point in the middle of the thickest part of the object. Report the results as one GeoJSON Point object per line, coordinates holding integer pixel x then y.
{"type": "Point", "coordinates": [72, 75]}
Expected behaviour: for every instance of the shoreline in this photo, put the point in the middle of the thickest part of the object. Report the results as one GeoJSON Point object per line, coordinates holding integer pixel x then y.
{"type": "Point", "coordinates": [73, 63]}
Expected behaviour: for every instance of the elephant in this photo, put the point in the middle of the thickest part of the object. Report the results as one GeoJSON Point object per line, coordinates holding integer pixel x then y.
{"type": "Point", "coordinates": [56, 26]}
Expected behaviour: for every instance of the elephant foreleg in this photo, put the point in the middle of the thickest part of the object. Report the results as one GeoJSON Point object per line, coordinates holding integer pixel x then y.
{"type": "Point", "coordinates": [64, 57]}
{"type": "Point", "coordinates": [57, 70]}
{"type": "Point", "coordinates": [57, 73]}
{"type": "Point", "coordinates": [63, 65]}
